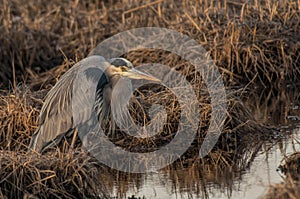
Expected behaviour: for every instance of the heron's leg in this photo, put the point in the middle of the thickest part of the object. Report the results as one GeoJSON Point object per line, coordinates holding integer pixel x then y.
{"type": "Point", "coordinates": [74, 139]}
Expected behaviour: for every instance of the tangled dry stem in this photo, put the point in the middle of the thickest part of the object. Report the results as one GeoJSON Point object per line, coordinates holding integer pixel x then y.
{"type": "Point", "coordinates": [253, 42]}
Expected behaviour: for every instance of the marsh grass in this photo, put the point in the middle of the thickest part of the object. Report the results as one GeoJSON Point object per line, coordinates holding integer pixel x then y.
{"type": "Point", "coordinates": [249, 40]}
{"type": "Point", "coordinates": [52, 176]}
{"type": "Point", "coordinates": [253, 43]}
{"type": "Point", "coordinates": [18, 111]}
{"type": "Point", "coordinates": [62, 172]}
{"type": "Point", "coordinates": [291, 166]}
{"type": "Point", "coordinates": [287, 189]}
{"type": "Point", "coordinates": [290, 186]}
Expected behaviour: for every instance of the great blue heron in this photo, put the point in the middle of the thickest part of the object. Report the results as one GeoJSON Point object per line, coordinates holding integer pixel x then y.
{"type": "Point", "coordinates": [56, 117]}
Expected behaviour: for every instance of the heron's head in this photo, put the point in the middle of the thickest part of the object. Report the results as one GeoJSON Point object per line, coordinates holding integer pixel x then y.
{"type": "Point", "coordinates": [123, 67]}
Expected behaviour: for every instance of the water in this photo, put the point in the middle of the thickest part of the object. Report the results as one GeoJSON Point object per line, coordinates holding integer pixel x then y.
{"type": "Point", "coordinates": [253, 183]}
{"type": "Point", "coordinates": [253, 180]}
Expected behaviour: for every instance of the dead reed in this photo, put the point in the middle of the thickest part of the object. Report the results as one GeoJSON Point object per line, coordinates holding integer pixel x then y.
{"type": "Point", "coordinates": [290, 187]}
{"type": "Point", "coordinates": [253, 43]}
{"type": "Point", "coordinates": [49, 176]}
{"type": "Point", "coordinates": [249, 40]}
{"type": "Point", "coordinates": [55, 170]}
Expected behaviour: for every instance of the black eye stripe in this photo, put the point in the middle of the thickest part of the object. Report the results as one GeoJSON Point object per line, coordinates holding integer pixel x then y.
{"type": "Point", "coordinates": [119, 62]}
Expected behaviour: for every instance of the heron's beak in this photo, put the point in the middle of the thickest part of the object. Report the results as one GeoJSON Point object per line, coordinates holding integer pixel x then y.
{"type": "Point", "coordinates": [135, 74]}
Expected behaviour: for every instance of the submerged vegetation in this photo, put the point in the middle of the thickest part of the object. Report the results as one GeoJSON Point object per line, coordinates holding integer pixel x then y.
{"type": "Point", "coordinates": [255, 44]}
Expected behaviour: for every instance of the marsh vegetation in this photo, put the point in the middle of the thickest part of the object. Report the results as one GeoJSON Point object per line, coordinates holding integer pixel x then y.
{"type": "Point", "coordinates": [255, 45]}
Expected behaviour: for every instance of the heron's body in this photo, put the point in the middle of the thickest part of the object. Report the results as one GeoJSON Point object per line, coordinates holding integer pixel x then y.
{"type": "Point", "coordinates": [56, 117]}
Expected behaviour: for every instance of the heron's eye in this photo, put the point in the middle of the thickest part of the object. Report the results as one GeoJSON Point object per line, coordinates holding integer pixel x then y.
{"type": "Point", "coordinates": [124, 68]}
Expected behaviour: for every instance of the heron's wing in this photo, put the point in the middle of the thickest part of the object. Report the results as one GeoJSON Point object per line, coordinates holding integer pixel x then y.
{"type": "Point", "coordinates": [57, 114]}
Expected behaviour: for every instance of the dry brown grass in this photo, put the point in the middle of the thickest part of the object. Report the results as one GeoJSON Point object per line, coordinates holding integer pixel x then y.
{"type": "Point", "coordinates": [291, 166]}
{"type": "Point", "coordinates": [285, 190]}
{"type": "Point", "coordinates": [18, 113]}
{"type": "Point", "coordinates": [290, 187]}
{"type": "Point", "coordinates": [258, 40]}
{"type": "Point", "coordinates": [53, 173]}
{"type": "Point", "coordinates": [255, 42]}
{"type": "Point", "coordinates": [54, 176]}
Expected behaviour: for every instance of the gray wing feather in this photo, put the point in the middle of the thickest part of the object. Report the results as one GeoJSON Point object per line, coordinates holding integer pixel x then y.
{"type": "Point", "coordinates": [56, 116]}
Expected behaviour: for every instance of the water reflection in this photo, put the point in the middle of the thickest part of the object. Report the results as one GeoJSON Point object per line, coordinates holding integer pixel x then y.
{"type": "Point", "coordinates": [239, 167]}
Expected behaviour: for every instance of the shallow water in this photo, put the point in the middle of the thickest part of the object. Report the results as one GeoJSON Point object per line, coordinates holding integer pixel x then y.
{"type": "Point", "coordinates": [252, 181]}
